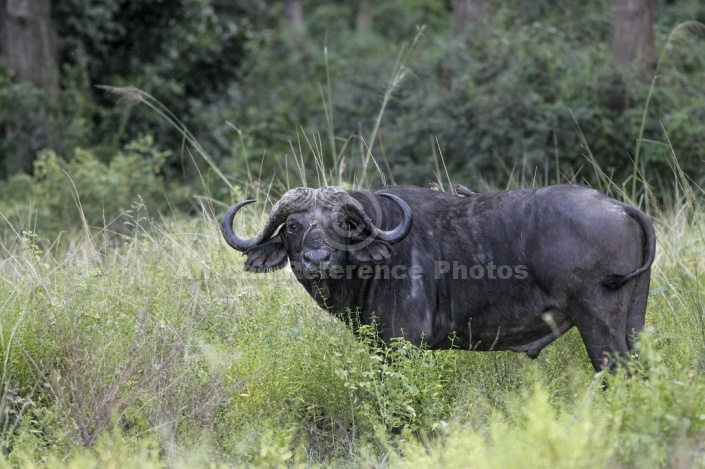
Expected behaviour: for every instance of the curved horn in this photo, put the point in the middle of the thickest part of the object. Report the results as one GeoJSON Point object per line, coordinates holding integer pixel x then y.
{"type": "Point", "coordinates": [291, 201]}
{"type": "Point", "coordinates": [226, 228]}
{"type": "Point", "coordinates": [397, 234]}
{"type": "Point", "coordinates": [392, 236]}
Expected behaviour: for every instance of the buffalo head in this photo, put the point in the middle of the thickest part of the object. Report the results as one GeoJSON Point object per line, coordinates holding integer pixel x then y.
{"type": "Point", "coordinates": [317, 229]}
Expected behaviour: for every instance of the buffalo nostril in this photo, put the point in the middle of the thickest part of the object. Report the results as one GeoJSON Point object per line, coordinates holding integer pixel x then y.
{"type": "Point", "coordinates": [317, 256]}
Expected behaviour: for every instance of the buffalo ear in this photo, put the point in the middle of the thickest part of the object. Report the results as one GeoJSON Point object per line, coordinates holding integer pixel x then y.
{"type": "Point", "coordinates": [266, 257]}
{"type": "Point", "coordinates": [377, 252]}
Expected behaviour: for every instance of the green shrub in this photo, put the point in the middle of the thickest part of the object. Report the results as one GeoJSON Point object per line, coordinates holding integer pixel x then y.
{"type": "Point", "coordinates": [531, 433]}
{"type": "Point", "coordinates": [399, 386]}
{"type": "Point", "coordinates": [61, 195]}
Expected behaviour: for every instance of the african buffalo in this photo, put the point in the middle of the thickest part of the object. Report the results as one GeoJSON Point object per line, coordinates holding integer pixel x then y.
{"type": "Point", "coordinates": [509, 270]}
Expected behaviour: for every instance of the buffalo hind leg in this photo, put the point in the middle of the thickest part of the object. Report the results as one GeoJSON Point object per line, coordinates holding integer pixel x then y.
{"type": "Point", "coordinates": [609, 357]}
{"type": "Point", "coordinates": [602, 326]}
{"type": "Point", "coordinates": [606, 351]}
{"type": "Point", "coordinates": [636, 314]}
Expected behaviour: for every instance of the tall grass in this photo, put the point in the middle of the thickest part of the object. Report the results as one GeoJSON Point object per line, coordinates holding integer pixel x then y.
{"type": "Point", "coordinates": [160, 349]}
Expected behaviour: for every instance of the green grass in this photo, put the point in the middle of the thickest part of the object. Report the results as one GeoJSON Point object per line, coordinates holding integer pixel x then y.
{"type": "Point", "coordinates": [156, 349]}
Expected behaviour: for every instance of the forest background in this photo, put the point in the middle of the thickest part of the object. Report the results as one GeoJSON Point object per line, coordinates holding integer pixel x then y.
{"type": "Point", "coordinates": [497, 92]}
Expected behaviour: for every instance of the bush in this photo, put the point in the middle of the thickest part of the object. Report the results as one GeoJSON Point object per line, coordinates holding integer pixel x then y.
{"type": "Point", "coordinates": [400, 386]}
{"type": "Point", "coordinates": [63, 195]}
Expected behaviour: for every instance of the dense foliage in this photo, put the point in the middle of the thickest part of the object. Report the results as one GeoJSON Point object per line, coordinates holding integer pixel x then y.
{"type": "Point", "coordinates": [532, 96]}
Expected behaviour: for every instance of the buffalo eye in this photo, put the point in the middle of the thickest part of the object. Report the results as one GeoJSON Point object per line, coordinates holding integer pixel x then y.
{"type": "Point", "coordinates": [348, 227]}
{"type": "Point", "coordinates": [293, 227]}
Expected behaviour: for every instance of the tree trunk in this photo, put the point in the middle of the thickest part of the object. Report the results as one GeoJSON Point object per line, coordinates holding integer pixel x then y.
{"type": "Point", "coordinates": [28, 43]}
{"type": "Point", "coordinates": [467, 12]}
{"type": "Point", "coordinates": [363, 19]}
{"type": "Point", "coordinates": [633, 40]}
{"type": "Point", "coordinates": [293, 9]}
